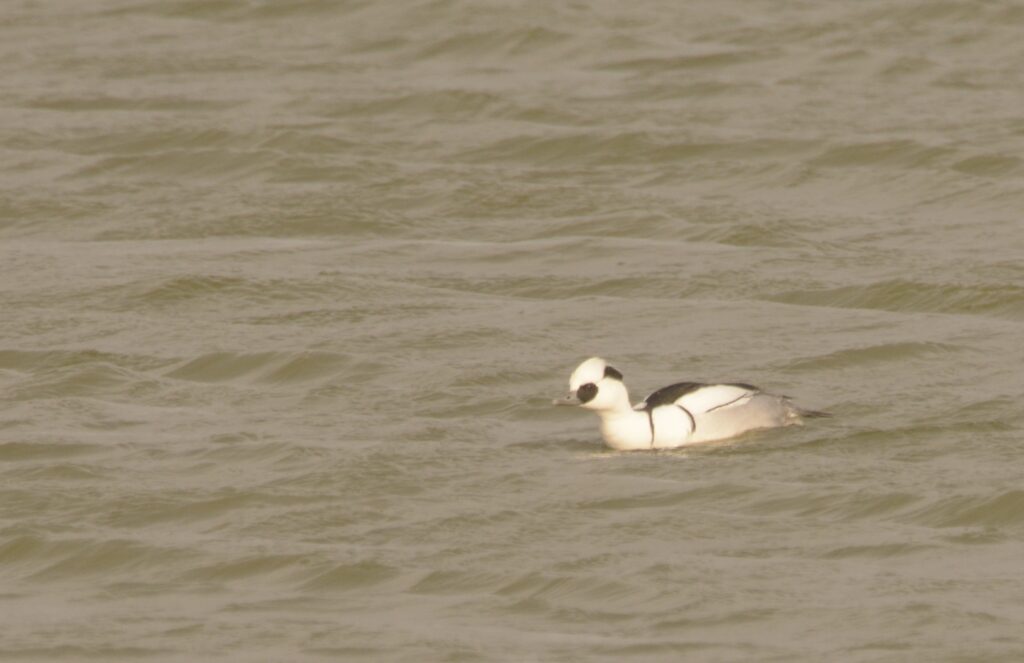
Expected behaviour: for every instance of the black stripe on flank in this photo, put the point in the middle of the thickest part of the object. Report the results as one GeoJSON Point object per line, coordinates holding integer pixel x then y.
{"type": "Point", "coordinates": [650, 420]}
{"type": "Point", "coordinates": [693, 422]}
{"type": "Point", "coordinates": [739, 398]}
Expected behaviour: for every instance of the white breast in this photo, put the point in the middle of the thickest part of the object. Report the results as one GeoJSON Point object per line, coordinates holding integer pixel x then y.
{"type": "Point", "coordinates": [626, 431]}
{"type": "Point", "coordinates": [672, 426]}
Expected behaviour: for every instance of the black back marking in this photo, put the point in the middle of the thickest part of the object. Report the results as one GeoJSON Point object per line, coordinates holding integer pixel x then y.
{"type": "Point", "coordinates": [610, 372]}
{"type": "Point", "coordinates": [586, 392]}
{"type": "Point", "coordinates": [670, 394]}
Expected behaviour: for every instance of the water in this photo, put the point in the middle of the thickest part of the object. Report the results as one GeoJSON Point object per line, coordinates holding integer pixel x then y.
{"type": "Point", "coordinates": [287, 287]}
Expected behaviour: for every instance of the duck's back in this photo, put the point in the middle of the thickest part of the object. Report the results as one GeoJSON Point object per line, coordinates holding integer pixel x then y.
{"type": "Point", "coordinates": [720, 411]}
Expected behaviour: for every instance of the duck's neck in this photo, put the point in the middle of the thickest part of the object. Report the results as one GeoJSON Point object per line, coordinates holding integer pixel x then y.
{"type": "Point", "coordinates": [622, 427]}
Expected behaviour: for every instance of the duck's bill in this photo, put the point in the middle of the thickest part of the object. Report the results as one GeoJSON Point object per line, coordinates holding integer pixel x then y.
{"type": "Point", "coordinates": [568, 400]}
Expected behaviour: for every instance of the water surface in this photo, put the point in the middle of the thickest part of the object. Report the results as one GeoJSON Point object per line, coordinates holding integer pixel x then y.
{"type": "Point", "coordinates": [286, 289]}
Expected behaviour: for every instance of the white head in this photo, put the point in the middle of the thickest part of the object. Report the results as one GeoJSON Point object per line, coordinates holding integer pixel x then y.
{"type": "Point", "coordinates": [596, 386]}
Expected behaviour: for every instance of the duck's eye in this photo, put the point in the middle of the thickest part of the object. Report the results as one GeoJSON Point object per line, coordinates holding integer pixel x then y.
{"type": "Point", "coordinates": [586, 392]}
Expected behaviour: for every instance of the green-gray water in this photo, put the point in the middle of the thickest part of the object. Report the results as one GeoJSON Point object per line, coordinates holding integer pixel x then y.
{"type": "Point", "coordinates": [286, 289]}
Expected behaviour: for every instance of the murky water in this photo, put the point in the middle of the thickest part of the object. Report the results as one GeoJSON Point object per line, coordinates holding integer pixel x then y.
{"type": "Point", "coordinates": [286, 289]}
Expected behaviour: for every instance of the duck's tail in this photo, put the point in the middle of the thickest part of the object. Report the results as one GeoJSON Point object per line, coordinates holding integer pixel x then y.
{"type": "Point", "coordinates": [796, 414]}
{"type": "Point", "coordinates": [812, 414]}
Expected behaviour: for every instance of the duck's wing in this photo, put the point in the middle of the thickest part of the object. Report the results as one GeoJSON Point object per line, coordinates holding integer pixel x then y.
{"type": "Point", "coordinates": [698, 397]}
{"type": "Point", "coordinates": [669, 395]}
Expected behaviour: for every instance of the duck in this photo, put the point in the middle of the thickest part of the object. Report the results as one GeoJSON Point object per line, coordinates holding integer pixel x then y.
{"type": "Point", "coordinates": [680, 414]}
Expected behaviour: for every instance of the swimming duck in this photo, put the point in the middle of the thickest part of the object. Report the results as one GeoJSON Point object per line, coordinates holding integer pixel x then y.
{"type": "Point", "coordinates": [676, 415]}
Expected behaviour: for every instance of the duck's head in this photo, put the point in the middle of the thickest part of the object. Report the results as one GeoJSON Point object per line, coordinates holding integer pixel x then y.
{"type": "Point", "coordinates": [596, 386]}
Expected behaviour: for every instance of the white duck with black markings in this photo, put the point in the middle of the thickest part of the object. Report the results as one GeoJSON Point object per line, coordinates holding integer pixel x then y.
{"type": "Point", "coordinates": [679, 414]}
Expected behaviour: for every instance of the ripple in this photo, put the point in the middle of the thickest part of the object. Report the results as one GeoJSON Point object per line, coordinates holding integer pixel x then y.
{"type": "Point", "coordinates": [350, 576]}
{"type": "Point", "coordinates": [175, 289]}
{"type": "Point", "coordinates": [246, 567]}
{"type": "Point", "coordinates": [185, 164]}
{"type": "Point", "coordinates": [715, 493]}
{"type": "Point", "coordinates": [85, 380]}
{"type": "Point", "coordinates": [80, 652]}
{"type": "Point", "coordinates": [65, 472]}
{"type": "Point", "coordinates": [158, 510]}
{"type": "Point", "coordinates": [741, 616]}
{"type": "Point", "coordinates": [19, 451]}
{"type": "Point", "coordinates": [127, 143]}
{"type": "Point", "coordinates": [506, 42]}
{"type": "Point", "coordinates": [902, 153]}
{"type": "Point", "coordinates": [35, 360]}
{"type": "Point", "coordinates": [99, 102]}
{"type": "Point", "coordinates": [991, 165]}
{"type": "Point", "coordinates": [266, 367]}
{"type": "Point", "coordinates": [45, 559]}
{"type": "Point", "coordinates": [458, 582]}
{"type": "Point", "coordinates": [877, 551]}
{"type": "Point", "coordinates": [998, 300]}
{"type": "Point", "coordinates": [451, 104]}
{"type": "Point", "coordinates": [1003, 510]}
{"type": "Point", "coordinates": [883, 352]}
{"type": "Point", "coordinates": [585, 589]}
{"type": "Point", "coordinates": [625, 148]}
{"type": "Point", "coordinates": [840, 505]}
{"type": "Point", "coordinates": [710, 60]}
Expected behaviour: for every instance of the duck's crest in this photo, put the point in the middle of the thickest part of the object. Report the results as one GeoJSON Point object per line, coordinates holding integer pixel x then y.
{"type": "Point", "coordinates": [591, 370]}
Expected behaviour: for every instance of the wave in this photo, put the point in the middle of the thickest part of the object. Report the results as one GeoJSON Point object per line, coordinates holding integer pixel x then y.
{"type": "Point", "coordinates": [266, 367]}
{"type": "Point", "coordinates": [882, 352]}
{"type": "Point", "coordinates": [204, 288]}
{"type": "Point", "coordinates": [45, 559]}
{"type": "Point", "coordinates": [349, 576]}
{"type": "Point", "coordinates": [1005, 509]}
{"type": "Point", "coordinates": [251, 566]}
{"type": "Point", "coordinates": [62, 373]}
{"type": "Point", "coordinates": [144, 379]}
{"type": "Point", "coordinates": [902, 153]}
{"type": "Point", "coordinates": [997, 300]}
{"type": "Point", "coordinates": [671, 63]}
{"type": "Point", "coordinates": [47, 451]}
{"type": "Point", "coordinates": [595, 148]}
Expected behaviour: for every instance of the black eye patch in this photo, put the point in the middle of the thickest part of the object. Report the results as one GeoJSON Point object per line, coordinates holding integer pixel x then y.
{"type": "Point", "coordinates": [586, 392]}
